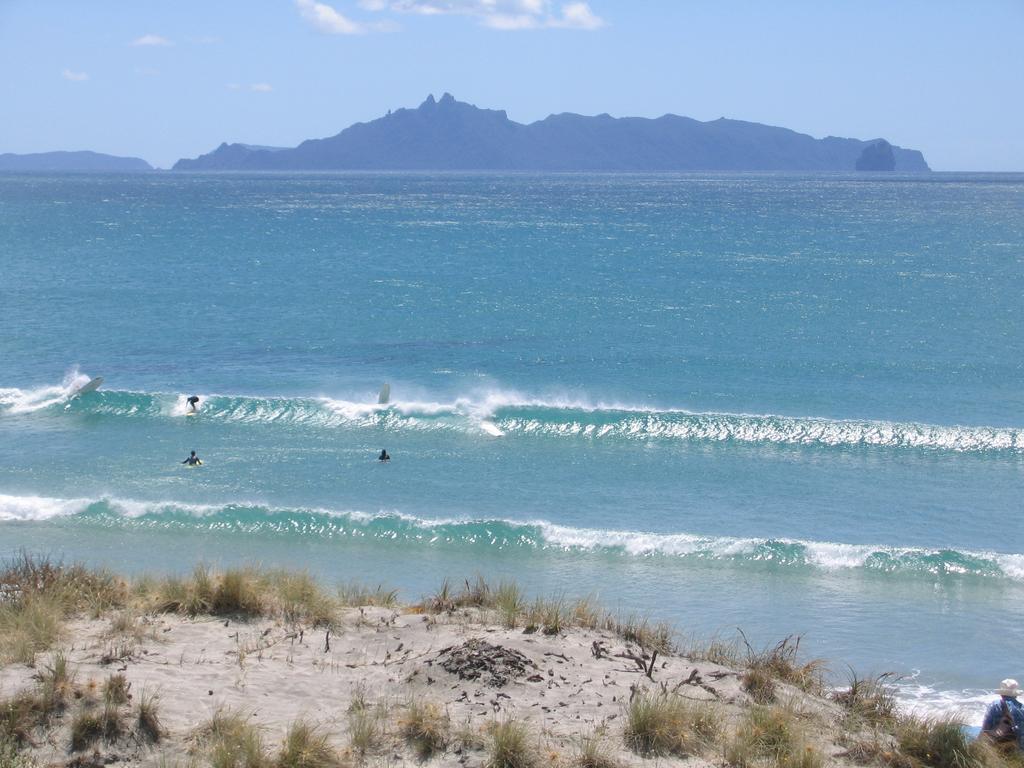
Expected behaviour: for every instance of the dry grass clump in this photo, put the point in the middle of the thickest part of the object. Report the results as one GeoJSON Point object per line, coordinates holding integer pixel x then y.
{"type": "Point", "coordinates": [11, 756]}
{"type": "Point", "coordinates": [147, 717]}
{"type": "Point", "coordinates": [469, 738]}
{"type": "Point", "coordinates": [38, 594]}
{"type": "Point", "coordinates": [298, 598]}
{"type": "Point", "coordinates": [356, 595]}
{"type": "Point", "coordinates": [548, 616]}
{"type": "Point", "coordinates": [551, 616]}
{"type": "Point", "coordinates": [426, 727]}
{"type": "Point", "coordinates": [248, 592]}
{"type": "Point", "coordinates": [115, 689]}
{"type": "Point", "coordinates": [869, 700]}
{"type": "Point", "coordinates": [759, 684]}
{"type": "Point", "coordinates": [667, 724]}
{"type": "Point", "coordinates": [593, 751]}
{"type": "Point", "coordinates": [27, 710]}
{"type": "Point", "coordinates": [657, 636]}
{"type": "Point", "coordinates": [771, 736]}
{"type": "Point", "coordinates": [306, 746]}
{"type": "Point", "coordinates": [235, 592]}
{"type": "Point", "coordinates": [91, 724]}
{"type": "Point", "coordinates": [781, 662]}
{"type": "Point", "coordinates": [365, 724]}
{"type": "Point", "coordinates": [229, 740]}
{"type": "Point", "coordinates": [937, 742]}
{"type": "Point", "coordinates": [509, 746]}
{"type": "Point", "coordinates": [510, 603]}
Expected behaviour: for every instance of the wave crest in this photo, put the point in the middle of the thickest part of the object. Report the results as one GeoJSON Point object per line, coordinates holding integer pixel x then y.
{"type": "Point", "coordinates": [489, 534]}
{"type": "Point", "coordinates": [515, 415]}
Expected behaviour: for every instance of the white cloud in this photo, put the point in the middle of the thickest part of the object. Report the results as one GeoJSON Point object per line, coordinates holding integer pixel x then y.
{"type": "Point", "coordinates": [76, 77]}
{"type": "Point", "coordinates": [499, 14]}
{"type": "Point", "coordinates": [578, 16]}
{"type": "Point", "coordinates": [326, 19]}
{"type": "Point", "coordinates": [151, 40]}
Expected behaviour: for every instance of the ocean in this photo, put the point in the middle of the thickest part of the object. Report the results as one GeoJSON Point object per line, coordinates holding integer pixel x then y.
{"type": "Point", "coordinates": [790, 404]}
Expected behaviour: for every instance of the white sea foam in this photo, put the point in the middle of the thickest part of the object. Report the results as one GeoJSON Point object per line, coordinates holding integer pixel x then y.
{"type": "Point", "coordinates": [19, 401]}
{"type": "Point", "coordinates": [819, 555]}
{"type": "Point", "coordinates": [40, 507]}
{"type": "Point", "coordinates": [967, 705]}
{"type": "Point", "coordinates": [514, 413]}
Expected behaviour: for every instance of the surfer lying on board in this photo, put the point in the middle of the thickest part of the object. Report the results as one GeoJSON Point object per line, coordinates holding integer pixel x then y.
{"type": "Point", "coordinates": [193, 460]}
{"type": "Point", "coordinates": [193, 401]}
{"type": "Point", "coordinates": [384, 455]}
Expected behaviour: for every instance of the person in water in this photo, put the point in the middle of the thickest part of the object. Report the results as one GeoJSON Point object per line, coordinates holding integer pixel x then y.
{"type": "Point", "coordinates": [192, 460]}
{"type": "Point", "coordinates": [193, 401]}
{"type": "Point", "coordinates": [384, 455]}
{"type": "Point", "coordinates": [1004, 719]}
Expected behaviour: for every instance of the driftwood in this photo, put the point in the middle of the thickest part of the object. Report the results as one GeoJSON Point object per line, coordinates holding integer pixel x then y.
{"type": "Point", "coordinates": [646, 666]}
{"type": "Point", "coordinates": [479, 660]}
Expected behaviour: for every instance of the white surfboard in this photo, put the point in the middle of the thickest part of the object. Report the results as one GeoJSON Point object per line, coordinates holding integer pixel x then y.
{"type": "Point", "coordinates": [91, 386]}
{"type": "Point", "coordinates": [491, 429]}
{"type": "Point", "coordinates": [385, 394]}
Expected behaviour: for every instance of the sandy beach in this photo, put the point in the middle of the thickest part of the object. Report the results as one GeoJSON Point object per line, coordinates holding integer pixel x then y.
{"type": "Point", "coordinates": [250, 668]}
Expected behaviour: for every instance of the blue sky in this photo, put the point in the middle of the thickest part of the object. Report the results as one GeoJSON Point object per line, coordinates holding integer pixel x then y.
{"type": "Point", "coordinates": [163, 80]}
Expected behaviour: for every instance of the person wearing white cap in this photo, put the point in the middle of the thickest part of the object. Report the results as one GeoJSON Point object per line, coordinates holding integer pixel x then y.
{"type": "Point", "coordinates": [1004, 720]}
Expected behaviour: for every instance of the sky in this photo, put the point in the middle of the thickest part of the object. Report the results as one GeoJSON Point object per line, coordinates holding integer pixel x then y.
{"type": "Point", "coordinates": [163, 80]}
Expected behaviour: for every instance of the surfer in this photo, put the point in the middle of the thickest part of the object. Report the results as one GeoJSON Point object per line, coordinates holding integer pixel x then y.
{"type": "Point", "coordinates": [193, 460]}
{"type": "Point", "coordinates": [384, 455]}
{"type": "Point", "coordinates": [193, 401]}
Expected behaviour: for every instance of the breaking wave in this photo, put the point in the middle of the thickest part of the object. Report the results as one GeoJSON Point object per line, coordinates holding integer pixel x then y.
{"type": "Point", "coordinates": [502, 413]}
{"type": "Point", "coordinates": [396, 529]}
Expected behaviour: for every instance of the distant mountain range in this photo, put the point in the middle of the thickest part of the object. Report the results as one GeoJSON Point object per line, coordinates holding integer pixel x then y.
{"type": "Point", "coordinates": [453, 135]}
{"type": "Point", "coordinates": [71, 161]}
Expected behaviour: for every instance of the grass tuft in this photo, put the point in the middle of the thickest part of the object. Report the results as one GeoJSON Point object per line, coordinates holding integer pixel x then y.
{"type": "Point", "coordinates": [781, 662]}
{"type": "Point", "coordinates": [147, 717]}
{"type": "Point", "coordinates": [306, 746]}
{"type": "Point", "coordinates": [115, 689]}
{"type": "Point", "coordinates": [661, 724]}
{"type": "Point", "coordinates": [425, 726]}
{"type": "Point", "coordinates": [937, 742]}
{"type": "Point", "coordinates": [94, 723]}
{"type": "Point", "coordinates": [771, 736]}
{"type": "Point", "coordinates": [364, 730]}
{"type": "Point", "coordinates": [759, 684]}
{"type": "Point", "coordinates": [509, 746]}
{"type": "Point", "coordinates": [870, 700]}
{"type": "Point", "coordinates": [593, 751]}
{"type": "Point", "coordinates": [229, 740]}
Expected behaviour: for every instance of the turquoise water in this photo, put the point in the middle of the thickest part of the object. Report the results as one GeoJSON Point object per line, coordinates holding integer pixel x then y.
{"type": "Point", "coordinates": [787, 403]}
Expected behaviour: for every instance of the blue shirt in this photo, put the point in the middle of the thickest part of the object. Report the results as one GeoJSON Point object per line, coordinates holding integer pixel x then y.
{"type": "Point", "coordinates": [995, 714]}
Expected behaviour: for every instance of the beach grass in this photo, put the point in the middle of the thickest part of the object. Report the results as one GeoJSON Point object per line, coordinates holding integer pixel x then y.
{"type": "Point", "coordinates": [869, 701]}
{"type": "Point", "coordinates": [771, 736]}
{"type": "Point", "coordinates": [307, 746]}
{"type": "Point", "coordinates": [426, 727]}
{"type": "Point", "coordinates": [936, 742]}
{"type": "Point", "coordinates": [147, 717]}
{"type": "Point", "coordinates": [38, 594]}
{"type": "Point", "coordinates": [509, 745]}
{"type": "Point", "coordinates": [91, 724]}
{"type": "Point", "coordinates": [229, 740]}
{"type": "Point", "coordinates": [594, 750]}
{"type": "Point", "coordinates": [782, 662]}
{"type": "Point", "coordinates": [660, 724]}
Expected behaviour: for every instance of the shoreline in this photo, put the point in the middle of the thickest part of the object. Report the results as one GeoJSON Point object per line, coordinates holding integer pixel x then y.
{"type": "Point", "coordinates": [265, 656]}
